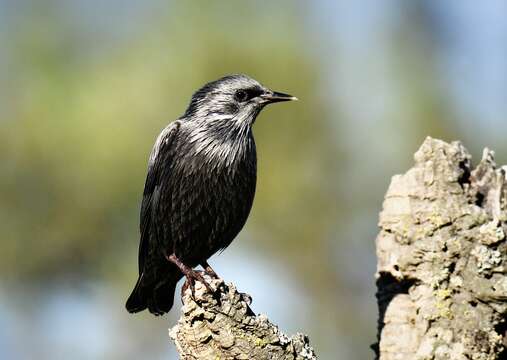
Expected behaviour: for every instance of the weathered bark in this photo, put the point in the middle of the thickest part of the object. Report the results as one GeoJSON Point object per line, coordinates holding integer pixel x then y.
{"type": "Point", "coordinates": [222, 326]}
{"type": "Point", "coordinates": [442, 259]}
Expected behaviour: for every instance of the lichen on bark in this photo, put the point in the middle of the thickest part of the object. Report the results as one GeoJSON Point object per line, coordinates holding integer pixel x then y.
{"type": "Point", "coordinates": [442, 257]}
{"type": "Point", "coordinates": [221, 325]}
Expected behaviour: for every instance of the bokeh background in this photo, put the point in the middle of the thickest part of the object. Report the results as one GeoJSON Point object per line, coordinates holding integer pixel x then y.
{"type": "Point", "coordinates": [86, 86]}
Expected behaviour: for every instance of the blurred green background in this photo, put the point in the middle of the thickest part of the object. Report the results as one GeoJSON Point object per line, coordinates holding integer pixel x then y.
{"type": "Point", "coordinates": [86, 86]}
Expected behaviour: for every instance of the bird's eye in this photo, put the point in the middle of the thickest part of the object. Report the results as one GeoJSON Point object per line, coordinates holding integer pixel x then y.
{"type": "Point", "coordinates": [241, 95]}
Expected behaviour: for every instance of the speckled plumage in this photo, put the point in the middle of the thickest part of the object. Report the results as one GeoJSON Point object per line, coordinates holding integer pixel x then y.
{"type": "Point", "coordinates": [200, 186]}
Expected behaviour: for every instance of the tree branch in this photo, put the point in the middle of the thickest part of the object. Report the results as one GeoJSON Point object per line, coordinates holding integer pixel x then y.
{"type": "Point", "coordinates": [442, 259]}
{"type": "Point", "coordinates": [222, 326]}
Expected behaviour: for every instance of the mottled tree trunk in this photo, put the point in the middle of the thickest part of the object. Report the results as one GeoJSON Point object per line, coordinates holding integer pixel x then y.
{"type": "Point", "coordinates": [222, 326]}
{"type": "Point", "coordinates": [442, 259]}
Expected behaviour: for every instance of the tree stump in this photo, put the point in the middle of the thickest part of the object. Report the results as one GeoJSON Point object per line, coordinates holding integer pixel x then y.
{"type": "Point", "coordinates": [442, 259]}
{"type": "Point", "coordinates": [222, 326]}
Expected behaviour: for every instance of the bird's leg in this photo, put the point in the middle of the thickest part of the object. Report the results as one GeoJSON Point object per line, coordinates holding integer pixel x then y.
{"type": "Point", "coordinates": [190, 274]}
{"type": "Point", "coordinates": [209, 270]}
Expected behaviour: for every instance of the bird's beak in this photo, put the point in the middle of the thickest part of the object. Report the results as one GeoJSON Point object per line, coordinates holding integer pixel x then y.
{"type": "Point", "coordinates": [273, 96]}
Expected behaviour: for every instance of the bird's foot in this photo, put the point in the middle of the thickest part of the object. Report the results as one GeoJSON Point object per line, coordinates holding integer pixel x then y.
{"type": "Point", "coordinates": [191, 275]}
{"type": "Point", "coordinates": [209, 270]}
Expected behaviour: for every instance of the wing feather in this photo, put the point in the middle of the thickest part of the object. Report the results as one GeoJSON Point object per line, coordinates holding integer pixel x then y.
{"type": "Point", "coordinates": [158, 159]}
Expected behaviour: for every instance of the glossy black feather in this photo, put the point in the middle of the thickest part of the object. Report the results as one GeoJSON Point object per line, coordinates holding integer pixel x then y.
{"type": "Point", "coordinates": [199, 188]}
{"type": "Point", "coordinates": [154, 272]}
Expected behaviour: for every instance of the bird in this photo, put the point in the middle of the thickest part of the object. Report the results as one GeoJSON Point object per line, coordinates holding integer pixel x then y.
{"type": "Point", "coordinates": [199, 188]}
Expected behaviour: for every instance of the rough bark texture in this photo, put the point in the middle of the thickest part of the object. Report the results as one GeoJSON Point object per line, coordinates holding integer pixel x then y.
{"type": "Point", "coordinates": [222, 326]}
{"type": "Point", "coordinates": [442, 258]}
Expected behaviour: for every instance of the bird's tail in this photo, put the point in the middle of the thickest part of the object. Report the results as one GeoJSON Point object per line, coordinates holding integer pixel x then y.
{"type": "Point", "coordinates": [158, 297]}
{"type": "Point", "coordinates": [137, 300]}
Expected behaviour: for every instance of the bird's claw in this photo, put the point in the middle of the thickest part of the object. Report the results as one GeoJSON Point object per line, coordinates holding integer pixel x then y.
{"type": "Point", "coordinates": [209, 270]}
{"type": "Point", "coordinates": [193, 276]}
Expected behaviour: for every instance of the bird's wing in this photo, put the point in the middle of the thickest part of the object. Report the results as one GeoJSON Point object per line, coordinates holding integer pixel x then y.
{"type": "Point", "coordinates": [158, 159]}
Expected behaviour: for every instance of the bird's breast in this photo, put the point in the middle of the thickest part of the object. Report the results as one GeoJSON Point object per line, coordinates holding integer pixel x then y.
{"type": "Point", "coordinates": [212, 195]}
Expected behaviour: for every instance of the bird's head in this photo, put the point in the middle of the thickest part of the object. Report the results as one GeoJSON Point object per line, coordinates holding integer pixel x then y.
{"type": "Point", "coordinates": [234, 99]}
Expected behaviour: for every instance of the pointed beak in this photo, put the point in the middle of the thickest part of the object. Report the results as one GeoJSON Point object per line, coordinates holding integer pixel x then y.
{"type": "Point", "coordinates": [273, 96]}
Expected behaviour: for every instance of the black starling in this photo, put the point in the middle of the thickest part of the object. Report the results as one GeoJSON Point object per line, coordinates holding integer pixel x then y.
{"type": "Point", "coordinates": [199, 188]}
